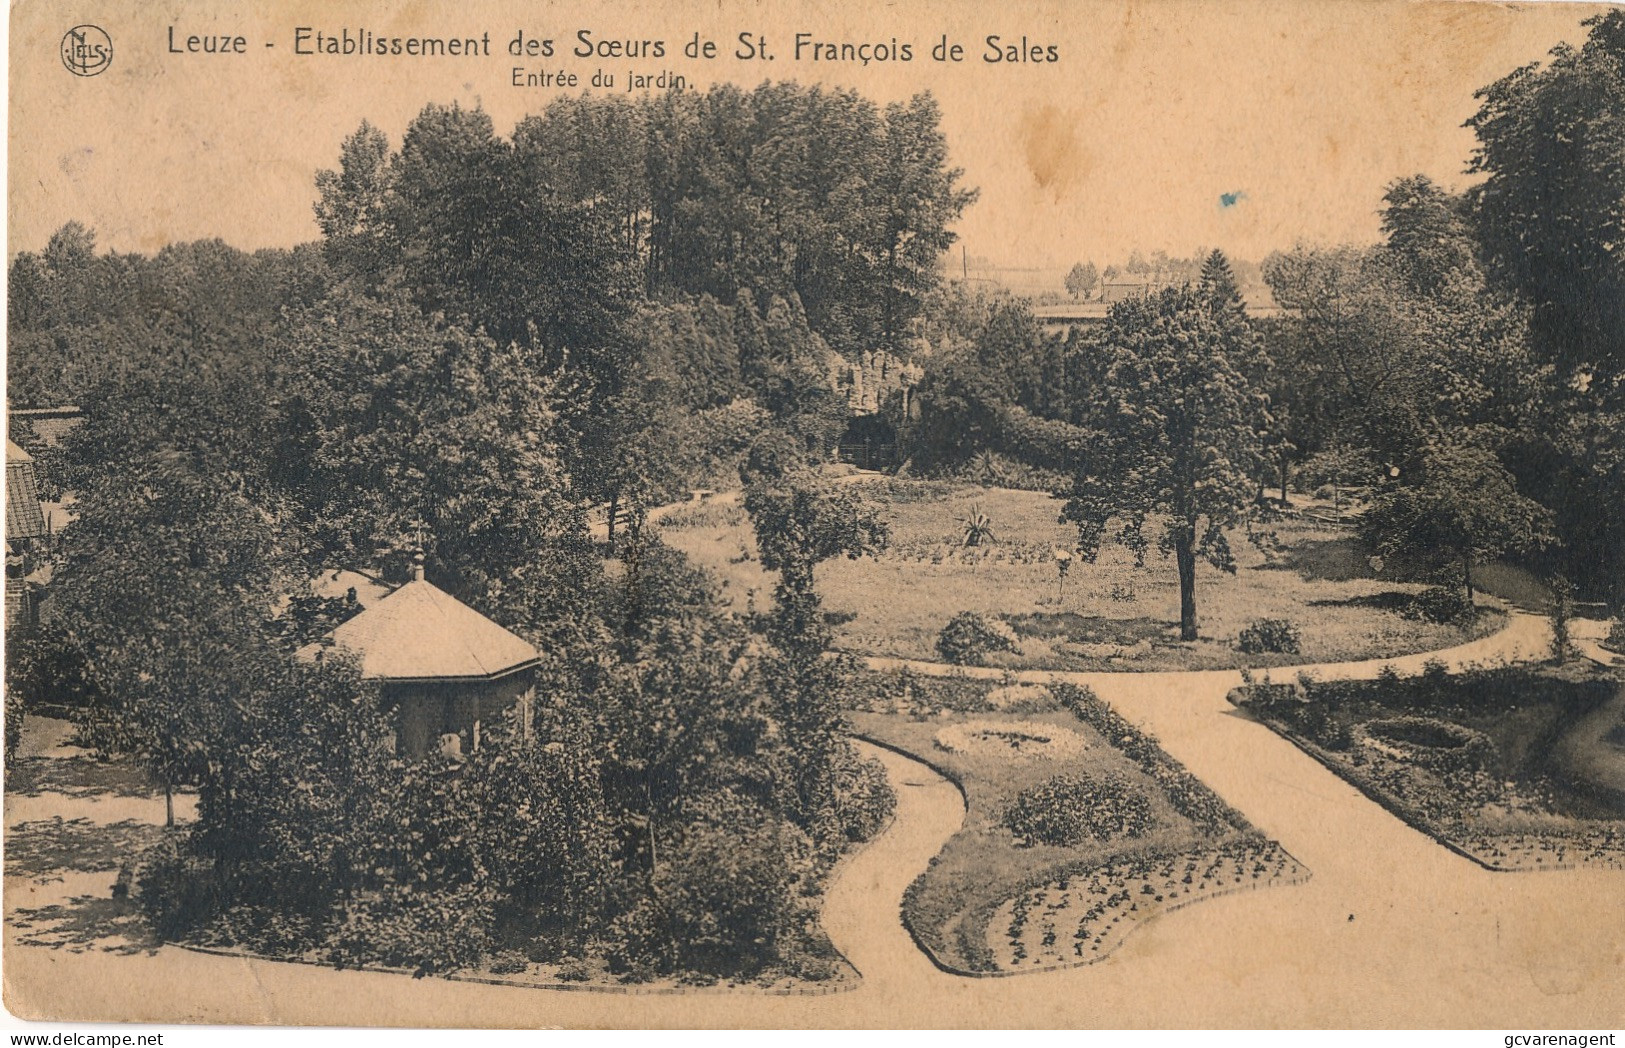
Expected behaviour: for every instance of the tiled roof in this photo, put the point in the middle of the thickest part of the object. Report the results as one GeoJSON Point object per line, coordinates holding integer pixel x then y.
{"type": "Point", "coordinates": [23, 517]}
{"type": "Point", "coordinates": [420, 632]}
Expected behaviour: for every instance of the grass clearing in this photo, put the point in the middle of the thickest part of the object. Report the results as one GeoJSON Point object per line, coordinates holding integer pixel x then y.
{"type": "Point", "coordinates": [1110, 615]}
{"type": "Point", "coordinates": [990, 902]}
{"type": "Point", "coordinates": [1519, 768]}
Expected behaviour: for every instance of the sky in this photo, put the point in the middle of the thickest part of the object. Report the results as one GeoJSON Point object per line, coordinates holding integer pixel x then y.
{"type": "Point", "coordinates": [1171, 125]}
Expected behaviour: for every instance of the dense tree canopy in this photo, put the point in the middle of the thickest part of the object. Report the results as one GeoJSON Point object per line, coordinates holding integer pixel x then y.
{"type": "Point", "coordinates": [1550, 214]}
{"type": "Point", "coordinates": [785, 190]}
{"type": "Point", "coordinates": [494, 339]}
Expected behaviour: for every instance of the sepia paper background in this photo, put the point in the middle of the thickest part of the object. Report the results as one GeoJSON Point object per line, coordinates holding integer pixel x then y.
{"type": "Point", "coordinates": [1127, 142]}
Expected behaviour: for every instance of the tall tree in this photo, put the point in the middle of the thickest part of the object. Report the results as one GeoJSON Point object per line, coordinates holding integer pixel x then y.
{"type": "Point", "coordinates": [1218, 281]}
{"type": "Point", "coordinates": [352, 203]}
{"type": "Point", "coordinates": [1178, 424]}
{"type": "Point", "coordinates": [1427, 236]}
{"type": "Point", "coordinates": [1464, 507]}
{"type": "Point", "coordinates": [1551, 213]}
{"type": "Point", "coordinates": [1081, 279]}
{"type": "Point", "coordinates": [918, 201]}
{"type": "Point", "coordinates": [1550, 216]}
{"type": "Point", "coordinates": [168, 577]}
{"type": "Point", "coordinates": [800, 523]}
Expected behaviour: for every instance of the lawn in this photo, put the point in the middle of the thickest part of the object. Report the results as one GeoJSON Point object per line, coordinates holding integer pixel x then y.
{"type": "Point", "coordinates": [1111, 615]}
{"type": "Point", "coordinates": [995, 902]}
{"type": "Point", "coordinates": [73, 824]}
{"type": "Point", "coordinates": [1519, 768]}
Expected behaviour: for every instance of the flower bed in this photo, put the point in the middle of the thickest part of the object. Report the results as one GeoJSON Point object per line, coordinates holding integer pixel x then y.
{"type": "Point", "coordinates": [1596, 846]}
{"type": "Point", "coordinates": [1427, 741]}
{"type": "Point", "coordinates": [1072, 809]}
{"type": "Point", "coordinates": [1153, 813]}
{"type": "Point", "coordinates": [1025, 740]}
{"type": "Point", "coordinates": [1500, 765]}
{"type": "Point", "coordinates": [1079, 919]}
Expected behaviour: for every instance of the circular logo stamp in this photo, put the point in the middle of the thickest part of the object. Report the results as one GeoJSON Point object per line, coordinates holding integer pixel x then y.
{"type": "Point", "coordinates": [87, 50]}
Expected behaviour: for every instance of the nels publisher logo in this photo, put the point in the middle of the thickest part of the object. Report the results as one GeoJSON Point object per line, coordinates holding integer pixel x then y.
{"type": "Point", "coordinates": [87, 50]}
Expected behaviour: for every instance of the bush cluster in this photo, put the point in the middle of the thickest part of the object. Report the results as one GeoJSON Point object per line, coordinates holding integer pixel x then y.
{"type": "Point", "coordinates": [1072, 809]}
{"type": "Point", "coordinates": [1269, 635]}
{"type": "Point", "coordinates": [1442, 604]}
{"type": "Point", "coordinates": [970, 637]}
{"type": "Point", "coordinates": [905, 692]}
{"type": "Point", "coordinates": [317, 840]}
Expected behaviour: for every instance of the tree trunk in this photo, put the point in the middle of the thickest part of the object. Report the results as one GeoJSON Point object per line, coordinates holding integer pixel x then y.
{"type": "Point", "coordinates": [614, 504]}
{"type": "Point", "coordinates": [169, 803]}
{"type": "Point", "coordinates": [1467, 577]}
{"type": "Point", "coordinates": [654, 861]}
{"type": "Point", "coordinates": [1283, 479]}
{"type": "Point", "coordinates": [1185, 554]}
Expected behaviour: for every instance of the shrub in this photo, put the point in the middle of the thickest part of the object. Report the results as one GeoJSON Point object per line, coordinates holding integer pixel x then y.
{"type": "Point", "coordinates": [1435, 676]}
{"type": "Point", "coordinates": [574, 970]}
{"type": "Point", "coordinates": [990, 469]}
{"type": "Point", "coordinates": [728, 889]}
{"type": "Point", "coordinates": [1071, 809]}
{"type": "Point", "coordinates": [970, 637]}
{"type": "Point", "coordinates": [976, 528]}
{"type": "Point", "coordinates": [14, 724]}
{"type": "Point", "coordinates": [1269, 635]}
{"type": "Point", "coordinates": [1615, 641]}
{"type": "Point", "coordinates": [1314, 720]}
{"type": "Point", "coordinates": [437, 930]}
{"type": "Point", "coordinates": [509, 962]}
{"type": "Point", "coordinates": [176, 891]}
{"type": "Point", "coordinates": [862, 795]}
{"type": "Point", "coordinates": [1445, 604]}
{"type": "Point", "coordinates": [1341, 466]}
{"type": "Point", "coordinates": [48, 673]}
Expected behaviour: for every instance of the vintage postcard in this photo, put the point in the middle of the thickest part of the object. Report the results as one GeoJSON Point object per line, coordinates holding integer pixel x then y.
{"type": "Point", "coordinates": [816, 514]}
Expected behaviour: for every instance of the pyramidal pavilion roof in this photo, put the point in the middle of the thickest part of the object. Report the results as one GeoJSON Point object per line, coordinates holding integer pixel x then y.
{"type": "Point", "coordinates": [421, 632]}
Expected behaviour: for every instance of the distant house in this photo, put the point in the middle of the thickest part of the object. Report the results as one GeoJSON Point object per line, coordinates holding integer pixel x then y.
{"type": "Point", "coordinates": [25, 531]}
{"type": "Point", "coordinates": [49, 425]}
{"type": "Point", "coordinates": [1123, 290]}
{"type": "Point", "coordinates": [447, 671]}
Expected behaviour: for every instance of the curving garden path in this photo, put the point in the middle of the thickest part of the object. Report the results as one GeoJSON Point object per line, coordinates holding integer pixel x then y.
{"type": "Point", "coordinates": [1392, 931]}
